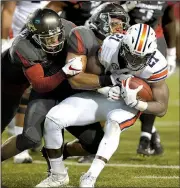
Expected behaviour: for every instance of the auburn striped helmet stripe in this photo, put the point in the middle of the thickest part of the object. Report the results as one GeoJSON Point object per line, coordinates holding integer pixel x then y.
{"type": "Point", "coordinates": [142, 37]}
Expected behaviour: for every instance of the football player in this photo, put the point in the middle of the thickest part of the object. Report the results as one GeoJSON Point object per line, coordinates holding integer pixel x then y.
{"type": "Point", "coordinates": [160, 16]}
{"type": "Point", "coordinates": [14, 15]}
{"type": "Point", "coordinates": [136, 54]}
{"type": "Point", "coordinates": [75, 11]}
{"type": "Point", "coordinates": [108, 18]}
{"type": "Point", "coordinates": [35, 58]}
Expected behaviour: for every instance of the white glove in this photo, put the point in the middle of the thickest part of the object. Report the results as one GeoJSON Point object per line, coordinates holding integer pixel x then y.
{"type": "Point", "coordinates": [73, 67]}
{"type": "Point", "coordinates": [129, 95]}
{"type": "Point", "coordinates": [112, 93]}
{"type": "Point", "coordinates": [171, 60]}
{"type": "Point", "coordinates": [117, 78]}
{"type": "Point", "coordinates": [129, 5]}
{"type": "Point", "coordinates": [104, 90]}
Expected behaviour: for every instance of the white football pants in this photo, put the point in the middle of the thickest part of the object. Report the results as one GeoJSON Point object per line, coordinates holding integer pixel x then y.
{"type": "Point", "coordinates": [83, 109]}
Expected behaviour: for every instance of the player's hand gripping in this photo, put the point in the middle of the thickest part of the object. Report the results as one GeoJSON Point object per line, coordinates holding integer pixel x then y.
{"type": "Point", "coordinates": [73, 67]}
{"type": "Point", "coordinates": [129, 95]}
{"type": "Point", "coordinates": [112, 93]}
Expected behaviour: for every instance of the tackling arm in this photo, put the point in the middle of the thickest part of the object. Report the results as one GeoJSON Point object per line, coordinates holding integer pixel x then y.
{"type": "Point", "coordinates": [86, 81]}
{"type": "Point", "coordinates": [40, 83]}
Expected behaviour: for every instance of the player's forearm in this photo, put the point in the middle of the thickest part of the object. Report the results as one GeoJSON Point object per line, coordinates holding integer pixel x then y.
{"type": "Point", "coordinates": [41, 84]}
{"type": "Point", "coordinates": [85, 81]}
{"type": "Point", "coordinates": [159, 105]}
{"type": "Point", "coordinates": [156, 108]}
{"type": "Point", "coordinates": [170, 34]}
{"type": "Point", "coordinates": [169, 27]}
{"type": "Point", "coordinates": [6, 24]}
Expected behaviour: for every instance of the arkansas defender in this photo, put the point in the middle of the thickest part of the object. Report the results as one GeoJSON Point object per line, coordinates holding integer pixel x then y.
{"type": "Point", "coordinates": [14, 15]}
{"type": "Point", "coordinates": [34, 58]}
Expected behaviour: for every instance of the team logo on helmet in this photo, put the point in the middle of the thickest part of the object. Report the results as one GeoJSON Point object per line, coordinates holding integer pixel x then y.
{"type": "Point", "coordinates": [31, 27]}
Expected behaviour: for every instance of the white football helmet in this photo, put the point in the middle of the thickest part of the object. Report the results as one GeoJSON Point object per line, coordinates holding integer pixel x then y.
{"type": "Point", "coordinates": [138, 45]}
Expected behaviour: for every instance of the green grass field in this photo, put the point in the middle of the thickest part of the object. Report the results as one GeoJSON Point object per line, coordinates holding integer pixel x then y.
{"type": "Point", "coordinates": [126, 168]}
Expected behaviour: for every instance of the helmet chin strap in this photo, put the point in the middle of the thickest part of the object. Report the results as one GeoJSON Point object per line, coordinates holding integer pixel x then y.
{"type": "Point", "coordinates": [35, 38]}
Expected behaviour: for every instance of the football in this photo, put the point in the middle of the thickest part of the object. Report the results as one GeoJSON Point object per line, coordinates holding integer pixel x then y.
{"type": "Point", "coordinates": [145, 94]}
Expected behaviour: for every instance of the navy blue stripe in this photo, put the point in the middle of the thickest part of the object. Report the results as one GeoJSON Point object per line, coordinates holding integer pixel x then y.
{"type": "Point", "coordinates": [158, 78]}
{"type": "Point", "coordinates": [138, 36]}
{"type": "Point", "coordinates": [160, 70]}
{"type": "Point", "coordinates": [146, 38]}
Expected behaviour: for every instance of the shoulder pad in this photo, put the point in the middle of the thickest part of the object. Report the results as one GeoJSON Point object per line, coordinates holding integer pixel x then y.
{"type": "Point", "coordinates": [82, 41]}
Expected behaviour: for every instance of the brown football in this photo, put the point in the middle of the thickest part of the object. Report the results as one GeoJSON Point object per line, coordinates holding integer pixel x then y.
{"type": "Point", "coordinates": [145, 94]}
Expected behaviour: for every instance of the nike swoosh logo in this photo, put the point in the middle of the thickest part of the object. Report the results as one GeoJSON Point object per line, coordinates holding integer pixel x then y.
{"type": "Point", "coordinates": [71, 68]}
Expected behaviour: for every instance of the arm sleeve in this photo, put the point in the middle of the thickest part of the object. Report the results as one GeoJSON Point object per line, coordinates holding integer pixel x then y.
{"type": "Point", "coordinates": [35, 74]}
{"type": "Point", "coordinates": [41, 84]}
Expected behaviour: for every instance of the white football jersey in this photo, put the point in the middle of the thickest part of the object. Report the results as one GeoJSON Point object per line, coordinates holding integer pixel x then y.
{"type": "Point", "coordinates": [155, 71]}
{"type": "Point", "coordinates": [22, 10]}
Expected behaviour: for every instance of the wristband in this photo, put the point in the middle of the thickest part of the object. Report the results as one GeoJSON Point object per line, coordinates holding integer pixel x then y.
{"type": "Point", "coordinates": [63, 74]}
{"type": "Point", "coordinates": [105, 80]}
{"type": "Point", "coordinates": [171, 51]}
{"type": "Point", "coordinates": [141, 105]}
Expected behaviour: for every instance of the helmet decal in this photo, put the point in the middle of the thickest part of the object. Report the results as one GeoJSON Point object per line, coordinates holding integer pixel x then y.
{"type": "Point", "coordinates": [31, 27]}
{"type": "Point", "coordinates": [142, 38]}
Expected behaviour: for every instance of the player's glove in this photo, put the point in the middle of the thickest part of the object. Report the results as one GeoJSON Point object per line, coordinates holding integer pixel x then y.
{"type": "Point", "coordinates": [73, 67]}
{"type": "Point", "coordinates": [117, 78]}
{"type": "Point", "coordinates": [129, 5]}
{"type": "Point", "coordinates": [129, 95]}
{"type": "Point", "coordinates": [171, 60]}
{"type": "Point", "coordinates": [112, 93]}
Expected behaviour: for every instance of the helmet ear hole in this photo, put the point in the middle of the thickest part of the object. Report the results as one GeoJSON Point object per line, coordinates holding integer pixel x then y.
{"type": "Point", "coordinates": [132, 40]}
